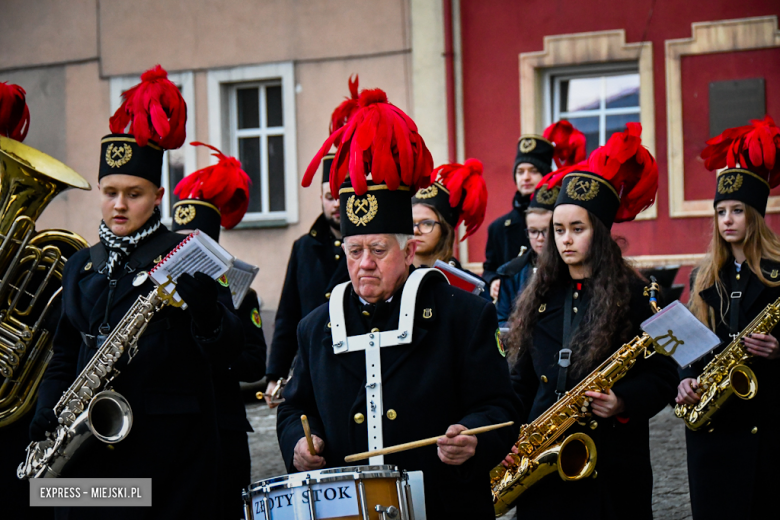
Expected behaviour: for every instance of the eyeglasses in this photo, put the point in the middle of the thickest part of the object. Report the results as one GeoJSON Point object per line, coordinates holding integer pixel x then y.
{"type": "Point", "coordinates": [536, 233]}
{"type": "Point", "coordinates": [426, 226]}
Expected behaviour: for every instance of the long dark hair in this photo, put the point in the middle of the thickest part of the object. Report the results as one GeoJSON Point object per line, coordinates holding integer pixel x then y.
{"type": "Point", "coordinates": [607, 318]}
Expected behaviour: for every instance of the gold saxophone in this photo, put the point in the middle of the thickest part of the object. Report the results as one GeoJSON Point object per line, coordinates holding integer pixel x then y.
{"type": "Point", "coordinates": [728, 374]}
{"type": "Point", "coordinates": [31, 264]}
{"type": "Point", "coordinates": [540, 450]}
{"type": "Point", "coordinates": [85, 411]}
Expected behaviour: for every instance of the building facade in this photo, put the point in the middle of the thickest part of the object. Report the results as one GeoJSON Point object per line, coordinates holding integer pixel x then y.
{"type": "Point", "coordinates": [261, 78]}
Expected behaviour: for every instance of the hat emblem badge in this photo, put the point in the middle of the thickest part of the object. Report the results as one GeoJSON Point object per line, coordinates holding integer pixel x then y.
{"type": "Point", "coordinates": [118, 155]}
{"type": "Point", "coordinates": [367, 205]}
{"type": "Point", "coordinates": [184, 214]}
{"type": "Point", "coordinates": [527, 144]}
{"type": "Point", "coordinates": [547, 197]}
{"type": "Point", "coordinates": [582, 189]}
{"type": "Point", "coordinates": [427, 193]}
{"type": "Point", "coordinates": [729, 183]}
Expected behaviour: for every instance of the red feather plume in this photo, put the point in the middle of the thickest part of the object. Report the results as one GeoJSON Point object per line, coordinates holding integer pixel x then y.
{"type": "Point", "coordinates": [466, 183]}
{"type": "Point", "coordinates": [344, 111]}
{"type": "Point", "coordinates": [569, 143]}
{"type": "Point", "coordinates": [555, 178]}
{"type": "Point", "coordinates": [381, 136]}
{"type": "Point", "coordinates": [14, 113]}
{"type": "Point", "coordinates": [753, 147]}
{"type": "Point", "coordinates": [223, 184]}
{"type": "Point", "coordinates": [630, 168]}
{"type": "Point", "coordinates": [155, 111]}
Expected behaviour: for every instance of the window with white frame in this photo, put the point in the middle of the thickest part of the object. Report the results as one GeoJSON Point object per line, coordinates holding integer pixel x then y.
{"type": "Point", "coordinates": [598, 101]}
{"type": "Point", "coordinates": [257, 139]}
{"type": "Point", "coordinates": [252, 117]}
{"type": "Point", "coordinates": [176, 163]}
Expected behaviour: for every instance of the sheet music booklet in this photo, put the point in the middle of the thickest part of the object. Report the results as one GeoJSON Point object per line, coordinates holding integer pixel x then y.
{"type": "Point", "coordinates": [241, 276]}
{"type": "Point", "coordinates": [198, 252]}
{"type": "Point", "coordinates": [676, 331]}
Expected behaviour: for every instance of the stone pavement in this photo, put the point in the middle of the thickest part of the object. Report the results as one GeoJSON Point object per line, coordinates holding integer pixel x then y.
{"type": "Point", "coordinates": [667, 450]}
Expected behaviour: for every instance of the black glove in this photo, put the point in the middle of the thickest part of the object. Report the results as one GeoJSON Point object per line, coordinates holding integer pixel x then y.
{"type": "Point", "coordinates": [199, 292]}
{"type": "Point", "coordinates": [43, 421]}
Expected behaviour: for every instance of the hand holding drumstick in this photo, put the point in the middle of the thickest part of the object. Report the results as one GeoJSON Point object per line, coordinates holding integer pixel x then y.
{"type": "Point", "coordinates": [305, 455]}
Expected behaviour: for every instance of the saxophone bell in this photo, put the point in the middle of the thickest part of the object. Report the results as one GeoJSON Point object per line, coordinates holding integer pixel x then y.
{"type": "Point", "coordinates": [744, 382]}
{"type": "Point", "coordinates": [576, 457]}
{"type": "Point", "coordinates": [109, 417]}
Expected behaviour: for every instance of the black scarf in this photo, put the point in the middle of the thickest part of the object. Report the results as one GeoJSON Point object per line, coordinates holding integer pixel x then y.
{"type": "Point", "coordinates": [120, 248]}
{"type": "Point", "coordinates": [520, 202]}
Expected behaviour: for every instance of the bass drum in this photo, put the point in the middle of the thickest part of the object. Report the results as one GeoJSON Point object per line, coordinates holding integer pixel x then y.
{"type": "Point", "coordinates": [349, 493]}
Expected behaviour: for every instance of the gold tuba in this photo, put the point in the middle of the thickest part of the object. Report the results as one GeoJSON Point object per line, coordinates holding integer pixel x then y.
{"type": "Point", "coordinates": [31, 264]}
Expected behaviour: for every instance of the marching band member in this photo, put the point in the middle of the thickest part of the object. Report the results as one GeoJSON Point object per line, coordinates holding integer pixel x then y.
{"type": "Point", "coordinates": [515, 274]}
{"type": "Point", "coordinates": [218, 196]}
{"type": "Point", "coordinates": [316, 266]}
{"type": "Point", "coordinates": [533, 160]}
{"type": "Point", "coordinates": [459, 195]}
{"type": "Point", "coordinates": [439, 369]}
{"type": "Point", "coordinates": [583, 303]}
{"type": "Point", "coordinates": [737, 279]}
{"type": "Point", "coordinates": [174, 437]}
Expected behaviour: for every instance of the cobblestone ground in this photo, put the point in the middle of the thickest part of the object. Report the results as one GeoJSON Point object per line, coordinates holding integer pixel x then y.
{"type": "Point", "coordinates": [667, 450]}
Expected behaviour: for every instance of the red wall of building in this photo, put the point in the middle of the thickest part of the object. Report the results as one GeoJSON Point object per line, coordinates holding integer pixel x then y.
{"type": "Point", "coordinates": [495, 32]}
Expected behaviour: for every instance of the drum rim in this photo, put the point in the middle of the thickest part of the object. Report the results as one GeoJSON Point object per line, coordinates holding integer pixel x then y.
{"type": "Point", "coordinates": [322, 476]}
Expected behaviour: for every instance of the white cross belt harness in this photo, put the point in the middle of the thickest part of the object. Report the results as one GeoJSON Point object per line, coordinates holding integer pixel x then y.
{"type": "Point", "coordinates": [371, 343]}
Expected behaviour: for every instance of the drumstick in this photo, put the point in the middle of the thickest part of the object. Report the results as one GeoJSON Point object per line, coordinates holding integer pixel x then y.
{"type": "Point", "coordinates": [423, 442]}
{"type": "Point", "coordinates": [307, 432]}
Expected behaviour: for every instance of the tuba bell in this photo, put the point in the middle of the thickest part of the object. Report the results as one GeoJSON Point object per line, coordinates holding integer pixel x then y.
{"type": "Point", "coordinates": [31, 265]}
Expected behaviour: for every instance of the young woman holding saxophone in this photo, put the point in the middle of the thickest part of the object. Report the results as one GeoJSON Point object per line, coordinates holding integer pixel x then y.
{"type": "Point", "coordinates": [582, 305]}
{"type": "Point", "coordinates": [738, 278]}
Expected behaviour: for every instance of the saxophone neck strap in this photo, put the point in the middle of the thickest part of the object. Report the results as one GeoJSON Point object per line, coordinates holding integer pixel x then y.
{"type": "Point", "coordinates": [739, 283]}
{"type": "Point", "coordinates": [571, 321]}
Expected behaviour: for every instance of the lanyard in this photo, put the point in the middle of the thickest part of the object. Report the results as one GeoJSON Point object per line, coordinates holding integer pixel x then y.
{"type": "Point", "coordinates": [740, 281]}
{"type": "Point", "coordinates": [569, 327]}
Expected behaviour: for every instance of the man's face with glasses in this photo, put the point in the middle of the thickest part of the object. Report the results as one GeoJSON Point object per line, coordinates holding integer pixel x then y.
{"type": "Point", "coordinates": [537, 225]}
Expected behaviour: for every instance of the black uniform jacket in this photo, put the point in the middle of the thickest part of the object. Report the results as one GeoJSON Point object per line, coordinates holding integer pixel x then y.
{"type": "Point", "coordinates": [747, 430]}
{"type": "Point", "coordinates": [506, 235]}
{"type": "Point", "coordinates": [248, 366]}
{"type": "Point", "coordinates": [624, 483]}
{"type": "Point", "coordinates": [174, 437]}
{"type": "Point", "coordinates": [453, 372]}
{"type": "Point", "coordinates": [515, 275]}
{"type": "Point", "coordinates": [316, 266]}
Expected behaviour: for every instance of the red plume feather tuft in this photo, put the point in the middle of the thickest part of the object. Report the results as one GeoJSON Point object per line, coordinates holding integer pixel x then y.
{"type": "Point", "coordinates": [155, 111]}
{"type": "Point", "coordinates": [466, 183]}
{"type": "Point", "coordinates": [630, 168]}
{"type": "Point", "coordinates": [569, 143]}
{"type": "Point", "coordinates": [555, 178]}
{"type": "Point", "coordinates": [379, 139]}
{"type": "Point", "coordinates": [14, 113]}
{"type": "Point", "coordinates": [223, 184]}
{"type": "Point", "coordinates": [347, 107]}
{"type": "Point", "coordinates": [753, 147]}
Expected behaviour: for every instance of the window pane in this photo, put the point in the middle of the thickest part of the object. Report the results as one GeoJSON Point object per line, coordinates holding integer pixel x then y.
{"type": "Point", "coordinates": [618, 123]}
{"type": "Point", "coordinates": [175, 173]}
{"type": "Point", "coordinates": [622, 91]}
{"type": "Point", "coordinates": [248, 108]}
{"type": "Point", "coordinates": [590, 127]}
{"type": "Point", "coordinates": [276, 172]}
{"type": "Point", "coordinates": [580, 94]}
{"type": "Point", "coordinates": [249, 155]}
{"type": "Point", "coordinates": [273, 106]}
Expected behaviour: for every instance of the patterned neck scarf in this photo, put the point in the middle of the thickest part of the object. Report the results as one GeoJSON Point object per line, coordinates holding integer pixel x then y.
{"type": "Point", "coordinates": [120, 248]}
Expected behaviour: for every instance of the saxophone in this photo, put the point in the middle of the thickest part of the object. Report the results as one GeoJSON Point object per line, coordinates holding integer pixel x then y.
{"type": "Point", "coordinates": [728, 374]}
{"type": "Point", "coordinates": [85, 411]}
{"type": "Point", "coordinates": [540, 452]}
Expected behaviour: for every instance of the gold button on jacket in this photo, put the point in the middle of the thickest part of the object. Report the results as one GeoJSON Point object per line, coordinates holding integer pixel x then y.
{"type": "Point", "coordinates": [359, 418]}
{"type": "Point", "coordinates": [391, 414]}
